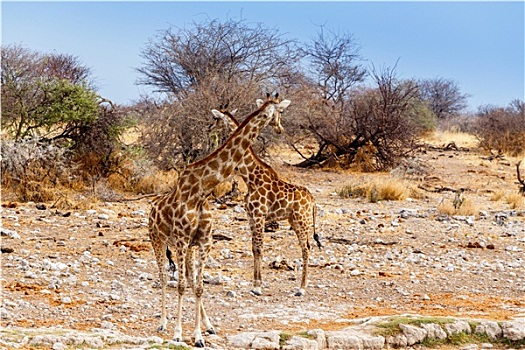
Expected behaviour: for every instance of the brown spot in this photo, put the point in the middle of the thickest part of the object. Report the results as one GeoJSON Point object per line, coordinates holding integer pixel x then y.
{"type": "Point", "coordinates": [214, 164]}
{"type": "Point", "coordinates": [245, 143]}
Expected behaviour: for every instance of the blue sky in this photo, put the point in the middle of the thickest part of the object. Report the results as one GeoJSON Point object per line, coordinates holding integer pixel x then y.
{"type": "Point", "coordinates": [479, 45]}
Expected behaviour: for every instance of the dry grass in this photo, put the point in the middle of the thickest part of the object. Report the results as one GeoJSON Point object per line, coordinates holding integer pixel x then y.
{"type": "Point", "coordinates": [515, 200]}
{"type": "Point", "coordinates": [497, 195]}
{"type": "Point", "coordinates": [382, 189]}
{"type": "Point", "coordinates": [466, 208]}
{"type": "Point", "coordinates": [461, 139]}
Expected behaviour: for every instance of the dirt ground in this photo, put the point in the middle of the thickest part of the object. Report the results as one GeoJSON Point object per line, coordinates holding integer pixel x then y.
{"type": "Point", "coordinates": [83, 269]}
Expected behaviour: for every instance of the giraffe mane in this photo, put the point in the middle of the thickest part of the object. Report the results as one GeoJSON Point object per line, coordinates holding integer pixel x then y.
{"type": "Point", "coordinates": [234, 134]}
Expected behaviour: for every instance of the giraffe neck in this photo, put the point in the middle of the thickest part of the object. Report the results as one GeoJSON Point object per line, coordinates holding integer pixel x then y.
{"type": "Point", "coordinates": [200, 178]}
{"type": "Point", "coordinates": [250, 163]}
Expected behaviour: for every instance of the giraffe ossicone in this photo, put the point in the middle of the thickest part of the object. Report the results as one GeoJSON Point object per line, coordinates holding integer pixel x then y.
{"type": "Point", "coordinates": [182, 220]}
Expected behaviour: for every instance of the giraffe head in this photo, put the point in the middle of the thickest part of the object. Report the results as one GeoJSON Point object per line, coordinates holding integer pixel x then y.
{"type": "Point", "coordinates": [272, 108]}
{"type": "Point", "coordinates": [226, 117]}
{"type": "Point", "coordinates": [279, 106]}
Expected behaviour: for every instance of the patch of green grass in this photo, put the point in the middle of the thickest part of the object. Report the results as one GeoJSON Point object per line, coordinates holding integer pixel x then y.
{"type": "Point", "coordinates": [305, 334]}
{"type": "Point", "coordinates": [391, 326]}
{"type": "Point", "coordinates": [171, 346]}
{"type": "Point", "coordinates": [284, 337]}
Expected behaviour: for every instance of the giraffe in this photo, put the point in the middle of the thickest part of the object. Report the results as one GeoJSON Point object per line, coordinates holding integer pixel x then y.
{"type": "Point", "coordinates": [182, 219]}
{"type": "Point", "coordinates": [270, 198]}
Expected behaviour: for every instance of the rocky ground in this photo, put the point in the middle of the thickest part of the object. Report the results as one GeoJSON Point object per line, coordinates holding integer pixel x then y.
{"type": "Point", "coordinates": [94, 269]}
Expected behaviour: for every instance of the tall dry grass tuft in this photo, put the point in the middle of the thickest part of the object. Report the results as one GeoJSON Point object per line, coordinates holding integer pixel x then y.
{"type": "Point", "coordinates": [389, 189]}
{"type": "Point", "coordinates": [515, 200]}
{"type": "Point", "coordinates": [497, 195]}
{"type": "Point", "coordinates": [465, 208]}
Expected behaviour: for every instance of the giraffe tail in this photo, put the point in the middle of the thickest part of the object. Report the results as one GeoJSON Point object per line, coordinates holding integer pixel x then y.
{"type": "Point", "coordinates": [169, 255]}
{"type": "Point", "coordinates": [317, 239]}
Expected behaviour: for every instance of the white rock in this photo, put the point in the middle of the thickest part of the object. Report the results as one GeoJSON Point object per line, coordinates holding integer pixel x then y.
{"type": "Point", "coordinates": [9, 233]}
{"type": "Point", "coordinates": [300, 343]}
{"type": "Point", "coordinates": [413, 334]}
{"type": "Point", "coordinates": [58, 346]}
{"type": "Point", "coordinates": [319, 336]}
{"type": "Point", "coordinates": [106, 325]}
{"type": "Point", "coordinates": [434, 331]}
{"type": "Point", "coordinates": [457, 327]}
{"type": "Point", "coordinates": [513, 330]}
{"type": "Point", "coordinates": [255, 340]}
{"type": "Point", "coordinates": [239, 209]}
{"type": "Point", "coordinates": [343, 340]}
{"type": "Point", "coordinates": [103, 217]}
{"type": "Point", "coordinates": [491, 328]}
{"type": "Point", "coordinates": [398, 340]}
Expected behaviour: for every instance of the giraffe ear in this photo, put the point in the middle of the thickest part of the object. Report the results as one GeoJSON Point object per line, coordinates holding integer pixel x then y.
{"type": "Point", "coordinates": [259, 102]}
{"type": "Point", "coordinates": [233, 112]}
{"type": "Point", "coordinates": [284, 104]}
{"type": "Point", "coordinates": [217, 114]}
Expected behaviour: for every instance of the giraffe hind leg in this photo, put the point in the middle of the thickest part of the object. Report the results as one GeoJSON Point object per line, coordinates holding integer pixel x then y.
{"type": "Point", "coordinates": [159, 248]}
{"type": "Point", "coordinates": [302, 235]}
{"type": "Point", "coordinates": [257, 226]}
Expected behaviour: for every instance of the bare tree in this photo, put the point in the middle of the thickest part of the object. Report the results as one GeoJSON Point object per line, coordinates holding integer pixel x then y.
{"type": "Point", "coordinates": [443, 97]}
{"type": "Point", "coordinates": [353, 123]}
{"type": "Point", "coordinates": [502, 129]}
{"type": "Point", "coordinates": [201, 67]}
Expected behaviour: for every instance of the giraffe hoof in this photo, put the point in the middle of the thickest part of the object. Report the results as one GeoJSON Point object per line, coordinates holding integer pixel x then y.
{"type": "Point", "coordinates": [199, 344]}
{"type": "Point", "coordinates": [211, 331]}
{"type": "Point", "coordinates": [161, 328]}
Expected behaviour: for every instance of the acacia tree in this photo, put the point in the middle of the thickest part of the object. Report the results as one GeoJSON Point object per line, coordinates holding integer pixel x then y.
{"type": "Point", "coordinates": [51, 99]}
{"type": "Point", "coordinates": [443, 97]}
{"type": "Point", "coordinates": [198, 68]}
{"type": "Point", "coordinates": [44, 95]}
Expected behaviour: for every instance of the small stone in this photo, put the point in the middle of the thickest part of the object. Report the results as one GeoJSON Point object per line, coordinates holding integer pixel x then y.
{"type": "Point", "coordinates": [58, 346]}
{"type": "Point", "coordinates": [41, 206]}
{"type": "Point", "coordinates": [103, 217]}
{"type": "Point", "coordinates": [106, 325]}
{"type": "Point", "coordinates": [9, 233]}
{"type": "Point", "coordinates": [239, 209]}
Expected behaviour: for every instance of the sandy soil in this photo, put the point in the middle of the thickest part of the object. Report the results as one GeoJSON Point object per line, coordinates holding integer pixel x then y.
{"type": "Point", "coordinates": [84, 269]}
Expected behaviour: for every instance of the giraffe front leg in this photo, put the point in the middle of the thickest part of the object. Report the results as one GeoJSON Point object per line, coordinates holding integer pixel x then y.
{"type": "Point", "coordinates": [257, 226]}
{"type": "Point", "coordinates": [177, 336]}
{"type": "Point", "coordinates": [200, 314]}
